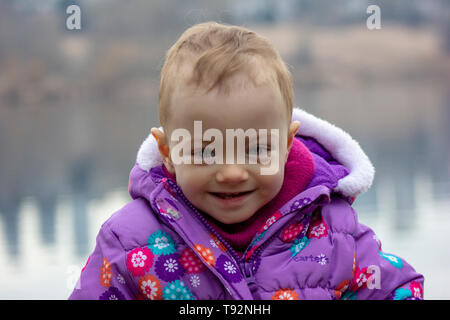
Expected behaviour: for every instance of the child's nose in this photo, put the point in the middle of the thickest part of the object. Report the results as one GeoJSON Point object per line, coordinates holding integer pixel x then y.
{"type": "Point", "coordinates": [232, 173]}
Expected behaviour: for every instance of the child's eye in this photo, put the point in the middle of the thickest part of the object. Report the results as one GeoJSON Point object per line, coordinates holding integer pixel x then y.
{"type": "Point", "coordinates": [197, 153]}
{"type": "Point", "coordinates": [258, 154]}
{"type": "Point", "coordinates": [211, 153]}
{"type": "Point", "coordinates": [201, 154]}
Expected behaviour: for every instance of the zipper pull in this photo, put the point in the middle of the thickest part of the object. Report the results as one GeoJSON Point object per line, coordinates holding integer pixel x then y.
{"type": "Point", "coordinates": [247, 271]}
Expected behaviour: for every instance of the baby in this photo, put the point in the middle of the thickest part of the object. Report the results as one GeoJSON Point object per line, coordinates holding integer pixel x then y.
{"type": "Point", "coordinates": [269, 217]}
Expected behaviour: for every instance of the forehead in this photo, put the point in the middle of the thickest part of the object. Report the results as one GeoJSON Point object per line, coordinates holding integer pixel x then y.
{"type": "Point", "coordinates": [243, 106]}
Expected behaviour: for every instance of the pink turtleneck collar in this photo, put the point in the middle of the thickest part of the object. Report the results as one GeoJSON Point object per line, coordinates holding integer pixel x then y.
{"type": "Point", "coordinates": [299, 170]}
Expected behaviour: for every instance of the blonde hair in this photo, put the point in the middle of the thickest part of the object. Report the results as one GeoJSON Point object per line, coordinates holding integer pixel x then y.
{"type": "Point", "coordinates": [207, 55]}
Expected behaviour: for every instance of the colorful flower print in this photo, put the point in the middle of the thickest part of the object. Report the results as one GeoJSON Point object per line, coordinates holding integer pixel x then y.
{"type": "Point", "coordinates": [169, 268]}
{"type": "Point", "coordinates": [112, 294]}
{"type": "Point", "coordinates": [297, 204]}
{"type": "Point", "coordinates": [195, 280]}
{"type": "Point", "coordinates": [173, 213]}
{"type": "Point", "coordinates": [360, 279]}
{"type": "Point", "coordinates": [292, 231]}
{"type": "Point", "coordinates": [139, 261]}
{"type": "Point", "coordinates": [167, 208]}
{"type": "Point", "coordinates": [105, 273]}
{"type": "Point", "coordinates": [121, 279]}
{"type": "Point", "coordinates": [228, 269]}
{"type": "Point", "coordinates": [341, 288]}
{"type": "Point", "coordinates": [277, 215]}
{"type": "Point", "coordinates": [206, 254]}
{"type": "Point", "coordinates": [150, 287]}
{"type": "Point", "coordinates": [395, 261]}
{"type": "Point", "coordinates": [176, 290]}
{"type": "Point", "coordinates": [161, 243]}
{"type": "Point", "coordinates": [215, 242]}
{"type": "Point", "coordinates": [322, 259]}
{"type": "Point", "coordinates": [317, 229]}
{"type": "Point", "coordinates": [299, 245]}
{"type": "Point", "coordinates": [285, 294]}
{"type": "Point", "coordinates": [190, 261]}
{"type": "Point", "coordinates": [349, 295]}
{"type": "Point", "coordinates": [416, 290]}
{"type": "Point", "coordinates": [402, 294]}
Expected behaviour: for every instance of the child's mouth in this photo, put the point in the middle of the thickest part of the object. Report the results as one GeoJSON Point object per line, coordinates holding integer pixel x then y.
{"type": "Point", "coordinates": [229, 200]}
{"type": "Point", "coordinates": [230, 195]}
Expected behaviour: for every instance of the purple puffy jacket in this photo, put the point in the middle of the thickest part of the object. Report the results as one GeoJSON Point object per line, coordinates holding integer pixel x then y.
{"type": "Point", "coordinates": [159, 247]}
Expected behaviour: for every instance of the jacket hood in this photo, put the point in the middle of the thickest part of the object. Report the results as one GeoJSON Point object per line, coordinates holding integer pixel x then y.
{"type": "Point", "coordinates": [328, 144]}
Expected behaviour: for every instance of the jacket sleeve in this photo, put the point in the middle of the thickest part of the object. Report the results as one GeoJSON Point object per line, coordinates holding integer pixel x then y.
{"type": "Point", "coordinates": [105, 275]}
{"type": "Point", "coordinates": [380, 275]}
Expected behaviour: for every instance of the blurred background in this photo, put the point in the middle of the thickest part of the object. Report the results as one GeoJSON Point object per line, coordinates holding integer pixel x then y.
{"type": "Point", "coordinates": [75, 106]}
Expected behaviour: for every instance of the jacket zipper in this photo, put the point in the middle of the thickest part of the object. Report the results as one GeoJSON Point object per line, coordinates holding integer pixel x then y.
{"type": "Point", "coordinates": [246, 267]}
{"type": "Point", "coordinates": [208, 226]}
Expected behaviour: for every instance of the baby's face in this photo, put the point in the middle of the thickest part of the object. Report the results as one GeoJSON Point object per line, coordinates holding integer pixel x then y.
{"type": "Point", "coordinates": [209, 186]}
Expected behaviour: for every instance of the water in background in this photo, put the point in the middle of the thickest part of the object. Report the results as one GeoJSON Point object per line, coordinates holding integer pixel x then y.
{"type": "Point", "coordinates": [74, 108]}
{"type": "Point", "coordinates": [42, 249]}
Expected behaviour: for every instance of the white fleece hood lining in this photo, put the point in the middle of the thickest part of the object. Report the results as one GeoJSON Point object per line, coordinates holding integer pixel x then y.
{"type": "Point", "coordinates": [338, 143]}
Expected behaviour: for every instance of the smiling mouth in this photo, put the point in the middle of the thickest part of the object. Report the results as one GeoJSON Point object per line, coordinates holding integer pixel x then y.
{"type": "Point", "coordinates": [230, 195]}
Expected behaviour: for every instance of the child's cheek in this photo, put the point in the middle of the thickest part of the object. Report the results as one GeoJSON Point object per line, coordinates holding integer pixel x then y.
{"type": "Point", "coordinates": [192, 177]}
{"type": "Point", "coordinates": [272, 183]}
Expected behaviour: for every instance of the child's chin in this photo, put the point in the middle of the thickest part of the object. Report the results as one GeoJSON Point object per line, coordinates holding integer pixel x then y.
{"type": "Point", "coordinates": [233, 219]}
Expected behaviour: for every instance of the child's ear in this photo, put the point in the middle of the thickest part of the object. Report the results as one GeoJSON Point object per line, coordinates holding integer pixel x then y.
{"type": "Point", "coordinates": [163, 148]}
{"type": "Point", "coordinates": [293, 128]}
